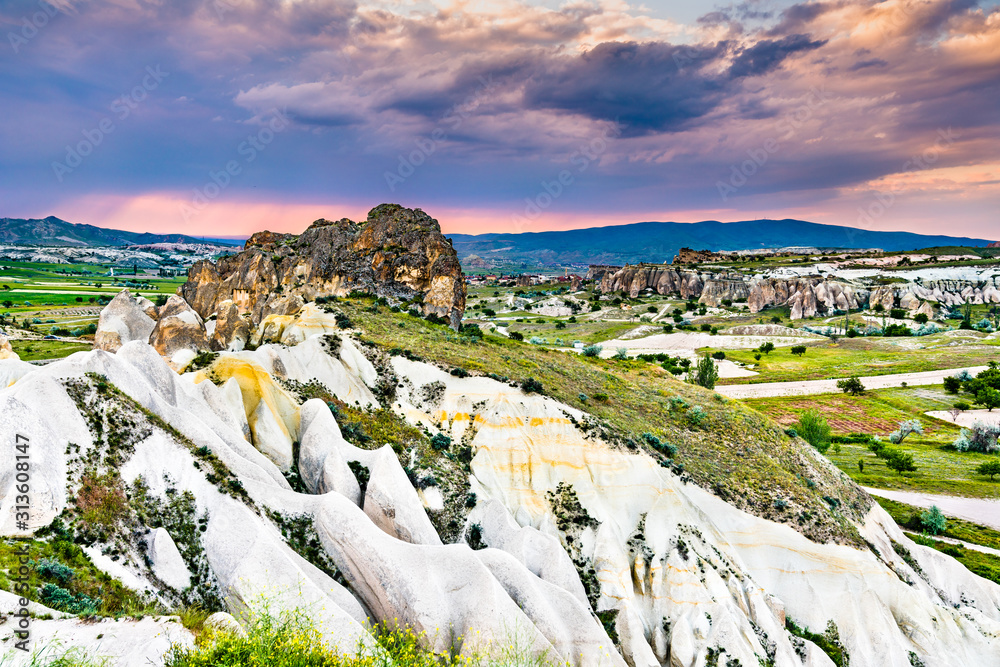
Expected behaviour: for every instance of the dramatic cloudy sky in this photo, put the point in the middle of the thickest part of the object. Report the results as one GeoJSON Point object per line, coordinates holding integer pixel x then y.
{"type": "Point", "coordinates": [508, 115]}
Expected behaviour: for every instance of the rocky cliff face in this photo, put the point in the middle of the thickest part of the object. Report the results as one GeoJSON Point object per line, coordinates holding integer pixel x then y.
{"type": "Point", "coordinates": [806, 296]}
{"type": "Point", "coordinates": [397, 252]}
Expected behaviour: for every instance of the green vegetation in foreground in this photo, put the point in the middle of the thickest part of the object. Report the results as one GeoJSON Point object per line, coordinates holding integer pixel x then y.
{"type": "Point", "coordinates": [940, 468]}
{"type": "Point", "coordinates": [62, 576]}
{"type": "Point", "coordinates": [865, 357]}
{"type": "Point", "coordinates": [721, 445]}
{"type": "Point", "coordinates": [36, 350]}
{"type": "Point", "coordinates": [291, 640]}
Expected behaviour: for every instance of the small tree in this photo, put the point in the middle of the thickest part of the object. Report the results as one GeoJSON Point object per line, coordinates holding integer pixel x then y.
{"type": "Point", "coordinates": [815, 430]}
{"type": "Point", "coordinates": [798, 350]}
{"type": "Point", "coordinates": [921, 318]}
{"type": "Point", "coordinates": [705, 373]}
{"type": "Point", "coordinates": [906, 428]}
{"type": "Point", "coordinates": [933, 521]}
{"type": "Point", "coordinates": [767, 348]}
{"type": "Point", "coordinates": [898, 460]}
{"type": "Point", "coordinates": [991, 468]}
{"type": "Point", "coordinates": [852, 386]}
{"type": "Point", "coordinates": [952, 384]}
{"type": "Point", "coordinates": [989, 398]}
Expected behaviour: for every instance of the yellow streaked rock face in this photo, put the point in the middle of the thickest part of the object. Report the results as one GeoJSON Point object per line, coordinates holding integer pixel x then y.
{"type": "Point", "coordinates": [293, 329]}
{"type": "Point", "coordinates": [273, 413]}
{"type": "Point", "coordinates": [683, 569]}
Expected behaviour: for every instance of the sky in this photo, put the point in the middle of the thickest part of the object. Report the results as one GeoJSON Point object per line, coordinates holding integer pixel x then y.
{"type": "Point", "coordinates": [225, 117]}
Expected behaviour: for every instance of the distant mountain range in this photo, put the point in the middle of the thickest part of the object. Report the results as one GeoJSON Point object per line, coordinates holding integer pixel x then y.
{"type": "Point", "coordinates": [659, 241]}
{"type": "Point", "coordinates": [52, 231]}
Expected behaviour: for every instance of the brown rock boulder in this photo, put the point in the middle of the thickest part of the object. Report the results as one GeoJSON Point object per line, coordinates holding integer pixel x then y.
{"type": "Point", "coordinates": [397, 252]}
{"type": "Point", "coordinates": [179, 328]}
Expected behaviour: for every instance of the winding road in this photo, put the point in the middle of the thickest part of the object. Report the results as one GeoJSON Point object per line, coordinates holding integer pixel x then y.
{"type": "Point", "coordinates": [809, 387]}
{"type": "Point", "coordinates": [983, 511]}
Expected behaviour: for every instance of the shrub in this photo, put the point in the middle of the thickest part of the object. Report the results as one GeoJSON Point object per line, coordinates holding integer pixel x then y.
{"type": "Point", "coordinates": [600, 396]}
{"type": "Point", "coordinates": [533, 386]}
{"type": "Point", "coordinates": [705, 374]}
{"type": "Point", "coordinates": [980, 438]}
{"type": "Point", "coordinates": [720, 355]}
{"type": "Point", "coordinates": [921, 318]}
{"type": "Point", "coordinates": [852, 386]}
{"type": "Point", "coordinates": [897, 314]}
{"type": "Point", "coordinates": [440, 442]}
{"type": "Point", "coordinates": [667, 328]}
{"type": "Point", "coordinates": [697, 415]}
{"type": "Point", "coordinates": [933, 521]}
{"type": "Point", "coordinates": [592, 351]}
{"type": "Point", "coordinates": [962, 406]}
{"type": "Point", "coordinates": [799, 350]}
{"type": "Point", "coordinates": [814, 429]}
{"type": "Point", "coordinates": [514, 335]}
{"type": "Point", "coordinates": [621, 353]}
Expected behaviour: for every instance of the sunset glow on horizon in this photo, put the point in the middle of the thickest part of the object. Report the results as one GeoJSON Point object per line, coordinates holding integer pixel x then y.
{"type": "Point", "coordinates": [225, 117]}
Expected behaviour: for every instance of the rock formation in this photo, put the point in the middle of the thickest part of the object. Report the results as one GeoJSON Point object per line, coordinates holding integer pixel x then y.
{"type": "Point", "coordinates": [124, 319]}
{"type": "Point", "coordinates": [589, 553]}
{"type": "Point", "coordinates": [6, 351]}
{"type": "Point", "coordinates": [689, 256]}
{"type": "Point", "coordinates": [807, 296]}
{"type": "Point", "coordinates": [397, 252]}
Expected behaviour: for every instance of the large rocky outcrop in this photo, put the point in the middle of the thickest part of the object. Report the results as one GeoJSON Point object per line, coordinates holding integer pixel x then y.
{"type": "Point", "coordinates": [807, 297]}
{"type": "Point", "coordinates": [397, 252]}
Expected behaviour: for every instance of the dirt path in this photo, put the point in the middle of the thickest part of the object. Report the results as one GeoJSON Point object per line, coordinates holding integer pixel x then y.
{"type": "Point", "coordinates": [808, 387]}
{"type": "Point", "coordinates": [979, 510]}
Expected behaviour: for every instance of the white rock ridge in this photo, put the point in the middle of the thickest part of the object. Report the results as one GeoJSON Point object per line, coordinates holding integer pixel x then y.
{"type": "Point", "coordinates": [593, 555]}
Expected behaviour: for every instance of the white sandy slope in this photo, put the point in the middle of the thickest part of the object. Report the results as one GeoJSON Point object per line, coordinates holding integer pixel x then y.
{"type": "Point", "coordinates": [728, 588]}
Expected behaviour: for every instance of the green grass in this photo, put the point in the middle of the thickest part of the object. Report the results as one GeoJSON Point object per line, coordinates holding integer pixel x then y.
{"type": "Point", "coordinates": [292, 640]}
{"type": "Point", "coordinates": [826, 359]}
{"type": "Point", "coordinates": [734, 452]}
{"type": "Point", "coordinates": [84, 578]}
{"type": "Point", "coordinates": [908, 517]}
{"type": "Point", "coordinates": [36, 350]}
{"type": "Point", "coordinates": [940, 469]}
